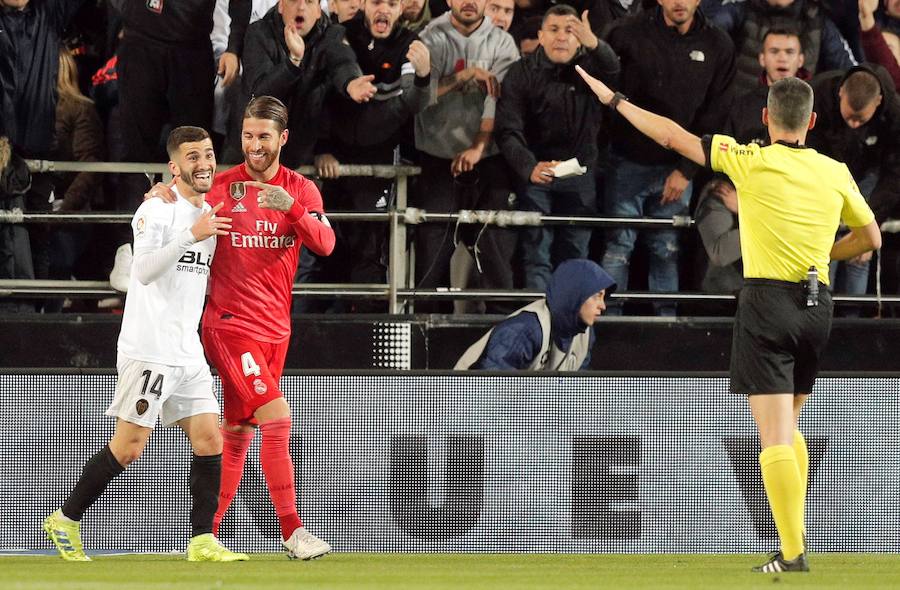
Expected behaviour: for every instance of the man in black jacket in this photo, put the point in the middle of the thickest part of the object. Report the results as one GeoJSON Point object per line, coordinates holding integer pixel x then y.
{"type": "Point", "coordinates": [167, 75]}
{"type": "Point", "coordinates": [674, 63]}
{"type": "Point", "coordinates": [29, 62]}
{"type": "Point", "coordinates": [859, 124]}
{"type": "Point", "coordinates": [546, 115]}
{"type": "Point", "coordinates": [298, 56]}
{"type": "Point", "coordinates": [369, 133]}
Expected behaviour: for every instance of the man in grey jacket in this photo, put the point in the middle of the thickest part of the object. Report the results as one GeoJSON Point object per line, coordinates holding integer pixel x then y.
{"type": "Point", "coordinates": [461, 166]}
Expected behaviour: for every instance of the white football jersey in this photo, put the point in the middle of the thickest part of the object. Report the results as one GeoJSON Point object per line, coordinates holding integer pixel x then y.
{"type": "Point", "coordinates": [161, 318]}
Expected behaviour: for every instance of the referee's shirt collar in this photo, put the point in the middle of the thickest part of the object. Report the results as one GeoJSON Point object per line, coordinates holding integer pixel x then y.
{"type": "Point", "coordinates": [795, 145]}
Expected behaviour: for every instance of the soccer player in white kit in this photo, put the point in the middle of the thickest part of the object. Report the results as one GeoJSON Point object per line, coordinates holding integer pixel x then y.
{"type": "Point", "coordinates": [161, 366]}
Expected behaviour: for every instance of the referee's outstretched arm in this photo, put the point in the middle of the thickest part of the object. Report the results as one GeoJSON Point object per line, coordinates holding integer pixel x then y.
{"type": "Point", "coordinates": [671, 135]}
{"type": "Point", "coordinates": [663, 131]}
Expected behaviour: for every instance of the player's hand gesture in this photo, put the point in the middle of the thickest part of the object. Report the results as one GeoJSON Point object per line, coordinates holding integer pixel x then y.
{"type": "Point", "coordinates": [271, 196]}
{"type": "Point", "coordinates": [162, 191]}
{"type": "Point", "coordinates": [582, 30]}
{"type": "Point", "coordinates": [295, 44]}
{"type": "Point", "coordinates": [420, 58]}
{"type": "Point", "coordinates": [361, 89]}
{"type": "Point", "coordinates": [209, 225]}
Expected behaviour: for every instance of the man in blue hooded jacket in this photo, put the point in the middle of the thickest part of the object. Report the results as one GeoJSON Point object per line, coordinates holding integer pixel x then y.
{"type": "Point", "coordinates": [551, 334]}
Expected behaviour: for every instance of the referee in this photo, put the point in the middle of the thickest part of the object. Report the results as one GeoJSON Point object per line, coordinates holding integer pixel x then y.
{"type": "Point", "coordinates": [791, 200]}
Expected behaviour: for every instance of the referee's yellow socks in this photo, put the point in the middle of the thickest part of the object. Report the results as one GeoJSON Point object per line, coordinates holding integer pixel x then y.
{"type": "Point", "coordinates": [802, 454]}
{"type": "Point", "coordinates": [781, 477]}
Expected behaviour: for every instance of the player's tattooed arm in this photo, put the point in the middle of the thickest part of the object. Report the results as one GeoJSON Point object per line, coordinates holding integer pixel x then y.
{"type": "Point", "coordinates": [271, 196]}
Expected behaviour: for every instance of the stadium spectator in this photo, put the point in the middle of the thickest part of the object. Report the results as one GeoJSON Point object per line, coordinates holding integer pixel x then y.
{"type": "Point", "coordinates": [229, 100]}
{"type": "Point", "coordinates": [877, 46]}
{"type": "Point", "coordinates": [747, 23]}
{"type": "Point", "coordinates": [79, 138]}
{"type": "Point", "coordinates": [29, 62]}
{"type": "Point", "coordinates": [791, 202]}
{"type": "Point", "coordinates": [15, 248]}
{"type": "Point", "coordinates": [546, 115]}
{"type": "Point", "coordinates": [716, 214]}
{"type": "Point", "coordinates": [167, 74]}
{"type": "Point", "coordinates": [500, 12]}
{"type": "Point", "coordinates": [555, 333]}
{"type": "Point", "coordinates": [889, 17]}
{"type": "Point", "coordinates": [526, 35]}
{"type": "Point", "coordinates": [859, 124]}
{"type": "Point", "coordinates": [416, 15]}
{"type": "Point", "coordinates": [297, 55]}
{"type": "Point", "coordinates": [461, 166]}
{"type": "Point", "coordinates": [342, 11]}
{"type": "Point", "coordinates": [162, 371]}
{"type": "Point", "coordinates": [247, 323]}
{"type": "Point", "coordinates": [369, 133]}
{"type": "Point", "coordinates": [673, 59]}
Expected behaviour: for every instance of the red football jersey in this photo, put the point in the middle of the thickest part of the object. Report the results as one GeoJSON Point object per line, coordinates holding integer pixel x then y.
{"type": "Point", "coordinates": [254, 265]}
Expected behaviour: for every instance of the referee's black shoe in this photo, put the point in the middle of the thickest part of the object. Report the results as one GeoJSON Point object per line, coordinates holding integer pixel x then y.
{"type": "Point", "coordinates": [777, 563]}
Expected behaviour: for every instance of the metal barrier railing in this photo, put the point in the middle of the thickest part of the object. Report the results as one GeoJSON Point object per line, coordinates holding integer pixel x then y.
{"type": "Point", "coordinates": [398, 290]}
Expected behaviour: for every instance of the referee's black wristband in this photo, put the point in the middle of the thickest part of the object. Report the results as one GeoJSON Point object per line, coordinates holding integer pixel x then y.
{"type": "Point", "coordinates": [616, 99]}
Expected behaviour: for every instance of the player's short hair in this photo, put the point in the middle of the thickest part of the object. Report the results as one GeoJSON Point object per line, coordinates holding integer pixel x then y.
{"type": "Point", "coordinates": [184, 134]}
{"type": "Point", "coordinates": [559, 10]}
{"type": "Point", "coordinates": [269, 108]}
{"type": "Point", "coordinates": [860, 89]}
{"type": "Point", "coordinates": [790, 104]}
{"type": "Point", "coordinates": [785, 31]}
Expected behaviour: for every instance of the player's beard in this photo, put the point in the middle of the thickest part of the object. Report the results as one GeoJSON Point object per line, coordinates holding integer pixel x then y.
{"type": "Point", "coordinates": [198, 186]}
{"type": "Point", "coordinates": [266, 163]}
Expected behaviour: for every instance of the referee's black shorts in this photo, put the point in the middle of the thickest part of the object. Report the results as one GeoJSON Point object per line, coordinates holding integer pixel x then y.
{"type": "Point", "coordinates": [778, 340]}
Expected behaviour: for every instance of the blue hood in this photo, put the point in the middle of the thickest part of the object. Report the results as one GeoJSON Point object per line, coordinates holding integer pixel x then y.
{"type": "Point", "coordinates": [571, 284]}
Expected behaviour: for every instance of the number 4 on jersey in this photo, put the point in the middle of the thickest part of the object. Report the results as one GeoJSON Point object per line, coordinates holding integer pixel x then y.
{"type": "Point", "coordinates": [249, 365]}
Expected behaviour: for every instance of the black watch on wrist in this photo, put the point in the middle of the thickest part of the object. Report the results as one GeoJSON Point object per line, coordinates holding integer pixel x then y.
{"type": "Point", "coordinates": [616, 99]}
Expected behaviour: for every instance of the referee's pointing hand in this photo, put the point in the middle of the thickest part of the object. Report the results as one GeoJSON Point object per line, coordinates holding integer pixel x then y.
{"type": "Point", "coordinates": [271, 196]}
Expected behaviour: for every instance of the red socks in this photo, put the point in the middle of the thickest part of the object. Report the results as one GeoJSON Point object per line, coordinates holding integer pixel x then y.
{"type": "Point", "coordinates": [234, 453]}
{"type": "Point", "coordinates": [275, 458]}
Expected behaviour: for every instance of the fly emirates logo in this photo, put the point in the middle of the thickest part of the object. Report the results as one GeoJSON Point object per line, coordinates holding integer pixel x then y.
{"type": "Point", "coordinates": [263, 238]}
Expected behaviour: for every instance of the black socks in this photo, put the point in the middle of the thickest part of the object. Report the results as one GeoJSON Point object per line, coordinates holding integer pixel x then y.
{"type": "Point", "coordinates": [206, 475]}
{"type": "Point", "coordinates": [95, 476]}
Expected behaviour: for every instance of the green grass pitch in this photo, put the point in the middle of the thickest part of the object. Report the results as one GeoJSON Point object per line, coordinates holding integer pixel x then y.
{"type": "Point", "coordinates": [343, 571]}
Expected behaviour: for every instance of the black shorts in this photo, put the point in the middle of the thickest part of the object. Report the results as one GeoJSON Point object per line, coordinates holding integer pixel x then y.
{"type": "Point", "coordinates": [778, 340]}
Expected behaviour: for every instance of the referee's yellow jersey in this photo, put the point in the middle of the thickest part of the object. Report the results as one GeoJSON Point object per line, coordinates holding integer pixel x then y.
{"type": "Point", "coordinates": [790, 202]}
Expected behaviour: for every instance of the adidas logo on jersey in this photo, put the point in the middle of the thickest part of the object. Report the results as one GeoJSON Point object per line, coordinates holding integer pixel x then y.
{"type": "Point", "coordinates": [239, 208]}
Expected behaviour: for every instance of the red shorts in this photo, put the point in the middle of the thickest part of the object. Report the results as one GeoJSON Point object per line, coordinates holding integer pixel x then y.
{"type": "Point", "coordinates": [249, 370]}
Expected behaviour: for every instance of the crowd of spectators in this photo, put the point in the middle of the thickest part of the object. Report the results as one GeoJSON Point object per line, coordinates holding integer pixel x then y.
{"type": "Point", "coordinates": [481, 94]}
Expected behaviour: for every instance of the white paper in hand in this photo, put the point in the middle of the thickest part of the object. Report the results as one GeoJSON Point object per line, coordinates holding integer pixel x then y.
{"type": "Point", "coordinates": [569, 168]}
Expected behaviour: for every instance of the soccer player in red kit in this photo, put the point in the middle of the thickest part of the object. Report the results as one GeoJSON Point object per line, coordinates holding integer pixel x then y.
{"type": "Point", "coordinates": [247, 323]}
